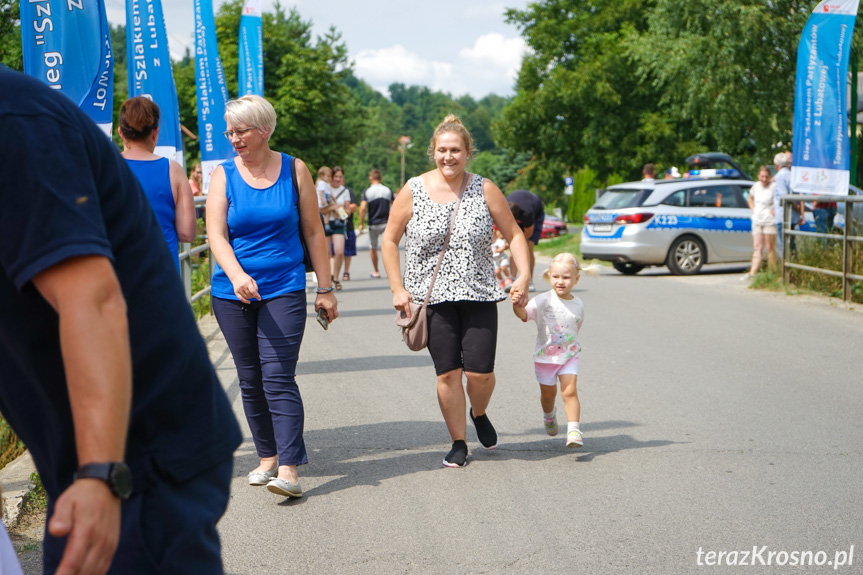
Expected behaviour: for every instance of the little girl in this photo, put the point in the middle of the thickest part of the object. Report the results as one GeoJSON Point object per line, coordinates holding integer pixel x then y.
{"type": "Point", "coordinates": [558, 315]}
{"type": "Point", "coordinates": [501, 261]}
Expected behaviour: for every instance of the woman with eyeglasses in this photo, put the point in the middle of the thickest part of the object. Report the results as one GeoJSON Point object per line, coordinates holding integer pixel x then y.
{"type": "Point", "coordinates": [255, 216]}
{"type": "Point", "coordinates": [163, 180]}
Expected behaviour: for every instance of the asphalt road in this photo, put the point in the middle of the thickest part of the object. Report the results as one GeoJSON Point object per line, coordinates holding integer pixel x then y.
{"type": "Point", "coordinates": [716, 418]}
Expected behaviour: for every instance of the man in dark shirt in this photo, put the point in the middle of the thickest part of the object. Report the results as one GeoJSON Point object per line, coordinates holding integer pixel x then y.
{"type": "Point", "coordinates": [103, 373]}
{"type": "Point", "coordinates": [529, 213]}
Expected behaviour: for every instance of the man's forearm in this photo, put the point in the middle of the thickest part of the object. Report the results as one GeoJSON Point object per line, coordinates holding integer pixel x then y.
{"type": "Point", "coordinates": [96, 355]}
{"type": "Point", "coordinates": [94, 339]}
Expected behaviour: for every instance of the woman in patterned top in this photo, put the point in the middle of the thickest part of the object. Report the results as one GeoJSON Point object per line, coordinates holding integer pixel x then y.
{"type": "Point", "coordinates": [462, 311]}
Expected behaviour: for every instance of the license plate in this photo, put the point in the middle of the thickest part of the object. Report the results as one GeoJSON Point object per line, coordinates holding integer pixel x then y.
{"type": "Point", "coordinates": [602, 227]}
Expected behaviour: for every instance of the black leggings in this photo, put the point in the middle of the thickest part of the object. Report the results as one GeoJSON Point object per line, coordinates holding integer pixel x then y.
{"type": "Point", "coordinates": [463, 335]}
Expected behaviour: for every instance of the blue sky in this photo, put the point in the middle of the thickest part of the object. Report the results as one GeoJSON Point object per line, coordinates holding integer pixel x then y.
{"type": "Point", "coordinates": [460, 48]}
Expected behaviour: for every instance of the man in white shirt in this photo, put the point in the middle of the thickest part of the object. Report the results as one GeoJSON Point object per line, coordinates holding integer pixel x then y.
{"type": "Point", "coordinates": [377, 200]}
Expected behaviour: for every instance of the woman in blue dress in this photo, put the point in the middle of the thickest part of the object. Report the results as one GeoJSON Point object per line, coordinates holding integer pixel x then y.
{"type": "Point", "coordinates": [164, 181]}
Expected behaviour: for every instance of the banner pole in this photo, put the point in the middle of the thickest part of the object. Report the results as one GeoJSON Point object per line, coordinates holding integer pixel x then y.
{"type": "Point", "coordinates": [852, 117]}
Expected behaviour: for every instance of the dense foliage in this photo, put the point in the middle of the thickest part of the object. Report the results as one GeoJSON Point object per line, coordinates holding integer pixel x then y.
{"type": "Point", "coordinates": [10, 35]}
{"type": "Point", "coordinates": [609, 85]}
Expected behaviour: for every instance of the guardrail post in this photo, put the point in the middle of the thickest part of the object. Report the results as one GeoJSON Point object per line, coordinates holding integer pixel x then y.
{"type": "Point", "coordinates": [186, 270]}
{"type": "Point", "coordinates": [847, 252]}
{"type": "Point", "coordinates": [786, 210]}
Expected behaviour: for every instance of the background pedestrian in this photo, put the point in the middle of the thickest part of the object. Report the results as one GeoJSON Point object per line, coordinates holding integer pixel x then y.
{"type": "Point", "coordinates": [163, 180]}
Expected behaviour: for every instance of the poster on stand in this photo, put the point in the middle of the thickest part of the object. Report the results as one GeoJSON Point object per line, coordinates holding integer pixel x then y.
{"type": "Point", "coordinates": [148, 63]}
{"type": "Point", "coordinates": [251, 50]}
{"type": "Point", "coordinates": [821, 149]}
{"type": "Point", "coordinates": [212, 93]}
{"type": "Point", "coordinates": [67, 45]}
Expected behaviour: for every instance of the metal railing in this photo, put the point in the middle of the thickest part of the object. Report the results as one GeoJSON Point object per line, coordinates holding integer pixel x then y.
{"type": "Point", "coordinates": [849, 236]}
{"type": "Point", "coordinates": [186, 253]}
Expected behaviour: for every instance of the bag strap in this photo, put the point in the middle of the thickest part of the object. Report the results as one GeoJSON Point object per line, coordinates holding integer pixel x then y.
{"type": "Point", "coordinates": [446, 240]}
{"type": "Point", "coordinates": [294, 182]}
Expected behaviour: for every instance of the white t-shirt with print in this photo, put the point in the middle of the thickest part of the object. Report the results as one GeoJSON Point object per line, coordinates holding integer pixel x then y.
{"type": "Point", "coordinates": [557, 324]}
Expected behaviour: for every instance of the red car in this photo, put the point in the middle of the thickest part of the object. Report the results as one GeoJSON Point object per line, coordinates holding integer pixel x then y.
{"type": "Point", "coordinates": [553, 227]}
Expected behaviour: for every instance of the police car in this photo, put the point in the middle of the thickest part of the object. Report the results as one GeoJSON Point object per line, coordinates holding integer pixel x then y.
{"type": "Point", "coordinates": [682, 223]}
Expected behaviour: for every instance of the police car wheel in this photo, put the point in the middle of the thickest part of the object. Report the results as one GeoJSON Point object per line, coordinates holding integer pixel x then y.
{"type": "Point", "coordinates": [627, 268]}
{"type": "Point", "coordinates": [686, 256]}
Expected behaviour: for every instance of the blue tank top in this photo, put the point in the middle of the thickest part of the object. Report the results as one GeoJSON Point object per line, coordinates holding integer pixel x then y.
{"type": "Point", "coordinates": [264, 232]}
{"type": "Point", "coordinates": [155, 177]}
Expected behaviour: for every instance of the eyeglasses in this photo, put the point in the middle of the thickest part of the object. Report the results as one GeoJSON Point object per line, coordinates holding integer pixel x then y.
{"type": "Point", "coordinates": [239, 133]}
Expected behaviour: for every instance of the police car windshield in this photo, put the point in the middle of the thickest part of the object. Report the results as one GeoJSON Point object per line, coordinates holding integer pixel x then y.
{"type": "Point", "coordinates": [617, 199]}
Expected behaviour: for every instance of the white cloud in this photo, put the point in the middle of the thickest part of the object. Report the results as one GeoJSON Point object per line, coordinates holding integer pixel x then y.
{"type": "Point", "coordinates": [489, 66]}
{"type": "Point", "coordinates": [495, 50]}
{"type": "Point", "coordinates": [438, 55]}
{"type": "Point", "coordinates": [380, 68]}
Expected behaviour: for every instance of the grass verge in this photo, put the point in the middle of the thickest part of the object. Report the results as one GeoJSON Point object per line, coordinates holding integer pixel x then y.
{"type": "Point", "coordinates": [10, 446]}
{"type": "Point", "coordinates": [567, 243]}
{"type": "Point", "coordinates": [818, 253]}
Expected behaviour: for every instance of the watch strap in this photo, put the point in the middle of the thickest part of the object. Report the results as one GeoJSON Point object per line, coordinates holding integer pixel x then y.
{"type": "Point", "coordinates": [115, 474]}
{"type": "Point", "coordinates": [94, 471]}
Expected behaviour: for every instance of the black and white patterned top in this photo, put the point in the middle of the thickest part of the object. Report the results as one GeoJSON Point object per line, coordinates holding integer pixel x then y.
{"type": "Point", "coordinates": [467, 271]}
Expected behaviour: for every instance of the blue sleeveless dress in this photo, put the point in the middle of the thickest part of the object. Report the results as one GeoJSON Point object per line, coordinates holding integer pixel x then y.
{"type": "Point", "coordinates": [264, 232]}
{"type": "Point", "coordinates": [155, 177]}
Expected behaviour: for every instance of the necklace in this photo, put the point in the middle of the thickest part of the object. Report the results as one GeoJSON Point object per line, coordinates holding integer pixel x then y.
{"type": "Point", "coordinates": [262, 174]}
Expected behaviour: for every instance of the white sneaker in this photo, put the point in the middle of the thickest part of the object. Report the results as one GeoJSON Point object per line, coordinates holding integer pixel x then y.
{"type": "Point", "coordinates": [532, 287]}
{"type": "Point", "coordinates": [574, 439]}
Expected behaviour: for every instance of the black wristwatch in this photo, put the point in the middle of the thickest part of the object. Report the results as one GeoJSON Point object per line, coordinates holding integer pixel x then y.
{"type": "Point", "coordinates": [116, 474]}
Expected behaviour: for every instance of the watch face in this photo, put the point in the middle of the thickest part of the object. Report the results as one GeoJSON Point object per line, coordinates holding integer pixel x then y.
{"type": "Point", "coordinates": [121, 480]}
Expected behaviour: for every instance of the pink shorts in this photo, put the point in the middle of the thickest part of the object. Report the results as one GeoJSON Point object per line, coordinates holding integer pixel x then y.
{"type": "Point", "coordinates": [546, 373]}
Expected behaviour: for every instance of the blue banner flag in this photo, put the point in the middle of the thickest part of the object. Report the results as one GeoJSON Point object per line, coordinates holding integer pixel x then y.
{"type": "Point", "coordinates": [821, 158]}
{"type": "Point", "coordinates": [67, 45]}
{"type": "Point", "coordinates": [251, 67]}
{"type": "Point", "coordinates": [212, 92]}
{"type": "Point", "coordinates": [150, 74]}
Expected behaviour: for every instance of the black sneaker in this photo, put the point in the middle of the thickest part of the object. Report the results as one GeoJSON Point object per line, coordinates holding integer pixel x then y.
{"type": "Point", "coordinates": [457, 456]}
{"type": "Point", "coordinates": [485, 431]}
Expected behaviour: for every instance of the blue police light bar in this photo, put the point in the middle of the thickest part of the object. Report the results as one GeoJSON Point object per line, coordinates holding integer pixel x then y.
{"type": "Point", "coordinates": [715, 173]}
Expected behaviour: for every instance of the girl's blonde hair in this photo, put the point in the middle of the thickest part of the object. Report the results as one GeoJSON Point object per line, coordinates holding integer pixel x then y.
{"type": "Point", "coordinates": [452, 124]}
{"type": "Point", "coordinates": [567, 259]}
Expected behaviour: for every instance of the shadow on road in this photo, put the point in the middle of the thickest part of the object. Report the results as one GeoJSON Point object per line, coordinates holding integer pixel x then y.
{"type": "Point", "coordinates": [366, 455]}
{"type": "Point", "coordinates": [367, 363]}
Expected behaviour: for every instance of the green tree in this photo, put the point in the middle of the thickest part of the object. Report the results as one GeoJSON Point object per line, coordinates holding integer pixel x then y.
{"type": "Point", "coordinates": [578, 102]}
{"type": "Point", "coordinates": [725, 69]}
{"type": "Point", "coordinates": [10, 35]}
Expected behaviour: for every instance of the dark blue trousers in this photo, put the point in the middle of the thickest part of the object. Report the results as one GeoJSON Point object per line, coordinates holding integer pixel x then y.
{"type": "Point", "coordinates": [167, 528]}
{"type": "Point", "coordinates": [264, 338]}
